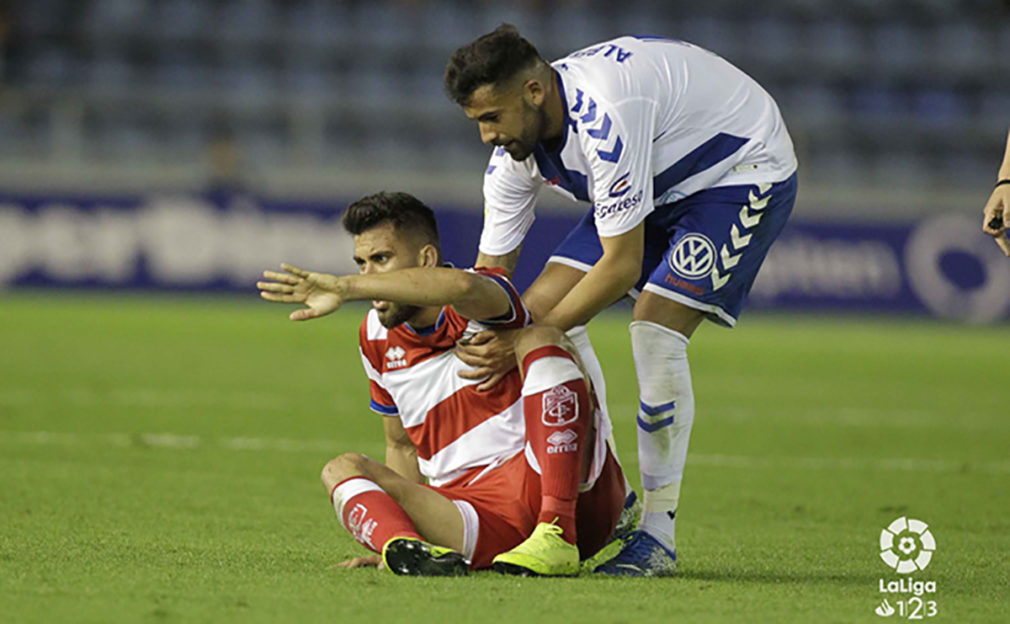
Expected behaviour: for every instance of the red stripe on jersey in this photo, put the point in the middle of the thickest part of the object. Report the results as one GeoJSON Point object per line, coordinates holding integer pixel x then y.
{"type": "Point", "coordinates": [379, 395]}
{"type": "Point", "coordinates": [404, 347]}
{"type": "Point", "coordinates": [461, 412]}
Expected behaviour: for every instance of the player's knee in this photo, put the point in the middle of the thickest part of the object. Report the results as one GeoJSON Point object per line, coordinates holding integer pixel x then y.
{"type": "Point", "coordinates": [670, 314]}
{"type": "Point", "coordinates": [536, 336]}
{"type": "Point", "coordinates": [342, 467]}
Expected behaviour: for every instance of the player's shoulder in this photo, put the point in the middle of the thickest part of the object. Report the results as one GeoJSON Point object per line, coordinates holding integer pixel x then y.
{"type": "Point", "coordinates": [501, 164]}
{"type": "Point", "coordinates": [372, 335]}
{"type": "Point", "coordinates": [607, 64]}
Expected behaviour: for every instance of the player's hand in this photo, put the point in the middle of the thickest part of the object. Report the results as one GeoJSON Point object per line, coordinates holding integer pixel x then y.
{"type": "Point", "coordinates": [321, 293]}
{"type": "Point", "coordinates": [492, 352]}
{"type": "Point", "coordinates": [996, 217]}
{"type": "Point", "coordinates": [368, 561]}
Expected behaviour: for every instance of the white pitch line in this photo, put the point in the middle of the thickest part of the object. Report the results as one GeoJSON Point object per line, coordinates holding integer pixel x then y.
{"type": "Point", "coordinates": [850, 417]}
{"type": "Point", "coordinates": [147, 398]}
{"type": "Point", "coordinates": [288, 445]}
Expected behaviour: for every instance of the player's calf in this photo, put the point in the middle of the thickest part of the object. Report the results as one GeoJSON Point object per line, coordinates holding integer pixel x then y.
{"type": "Point", "coordinates": [379, 523]}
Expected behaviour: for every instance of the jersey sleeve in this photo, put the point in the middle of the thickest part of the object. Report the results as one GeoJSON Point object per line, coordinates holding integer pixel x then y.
{"type": "Point", "coordinates": [517, 316]}
{"type": "Point", "coordinates": [618, 148]}
{"type": "Point", "coordinates": [380, 400]}
{"type": "Point", "coordinates": [510, 192]}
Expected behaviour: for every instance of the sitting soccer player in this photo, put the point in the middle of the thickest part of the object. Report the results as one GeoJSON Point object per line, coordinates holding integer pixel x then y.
{"type": "Point", "coordinates": [519, 476]}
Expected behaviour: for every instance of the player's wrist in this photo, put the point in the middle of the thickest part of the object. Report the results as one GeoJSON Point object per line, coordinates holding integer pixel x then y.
{"type": "Point", "coordinates": [346, 287]}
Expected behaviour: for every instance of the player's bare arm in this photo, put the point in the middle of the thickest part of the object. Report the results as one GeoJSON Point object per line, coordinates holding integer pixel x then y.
{"type": "Point", "coordinates": [473, 296]}
{"type": "Point", "coordinates": [506, 261]}
{"type": "Point", "coordinates": [613, 275]}
{"type": "Point", "coordinates": [996, 214]}
{"type": "Point", "coordinates": [401, 454]}
{"type": "Point", "coordinates": [610, 278]}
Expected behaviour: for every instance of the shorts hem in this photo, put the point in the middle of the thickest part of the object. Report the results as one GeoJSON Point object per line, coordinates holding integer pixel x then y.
{"type": "Point", "coordinates": [571, 262]}
{"type": "Point", "coordinates": [721, 316]}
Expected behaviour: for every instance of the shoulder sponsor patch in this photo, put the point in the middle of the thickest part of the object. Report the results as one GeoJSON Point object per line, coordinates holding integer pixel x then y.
{"type": "Point", "coordinates": [620, 186]}
{"type": "Point", "coordinates": [601, 211]}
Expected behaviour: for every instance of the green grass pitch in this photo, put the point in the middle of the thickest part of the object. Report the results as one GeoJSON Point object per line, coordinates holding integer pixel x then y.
{"type": "Point", "coordinates": [159, 460]}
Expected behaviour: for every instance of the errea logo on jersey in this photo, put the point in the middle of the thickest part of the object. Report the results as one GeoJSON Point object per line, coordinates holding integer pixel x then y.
{"type": "Point", "coordinates": [396, 357]}
{"type": "Point", "coordinates": [562, 442]}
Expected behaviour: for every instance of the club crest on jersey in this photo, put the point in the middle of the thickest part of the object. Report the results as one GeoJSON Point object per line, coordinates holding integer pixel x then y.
{"type": "Point", "coordinates": [620, 186]}
{"type": "Point", "coordinates": [693, 257]}
{"type": "Point", "coordinates": [560, 407]}
{"type": "Point", "coordinates": [562, 442]}
{"type": "Point", "coordinates": [396, 357]}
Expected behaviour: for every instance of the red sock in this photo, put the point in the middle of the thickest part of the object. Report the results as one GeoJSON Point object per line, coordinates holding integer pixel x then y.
{"type": "Point", "coordinates": [370, 514]}
{"type": "Point", "coordinates": [557, 409]}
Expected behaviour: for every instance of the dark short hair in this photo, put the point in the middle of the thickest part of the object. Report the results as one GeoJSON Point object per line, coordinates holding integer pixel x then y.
{"type": "Point", "coordinates": [490, 59]}
{"type": "Point", "coordinates": [406, 212]}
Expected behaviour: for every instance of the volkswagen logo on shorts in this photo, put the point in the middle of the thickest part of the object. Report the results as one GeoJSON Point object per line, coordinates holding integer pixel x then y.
{"type": "Point", "coordinates": [693, 257]}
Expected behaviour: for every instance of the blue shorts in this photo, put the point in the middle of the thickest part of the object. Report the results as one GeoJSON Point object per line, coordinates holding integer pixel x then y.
{"type": "Point", "coordinates": [703, 251]}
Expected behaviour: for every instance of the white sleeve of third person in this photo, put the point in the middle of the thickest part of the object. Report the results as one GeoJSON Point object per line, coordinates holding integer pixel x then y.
{"type": "Point", "coordinates": [510, 193]}
{"type": "Point", "coordinates": [619, 150]}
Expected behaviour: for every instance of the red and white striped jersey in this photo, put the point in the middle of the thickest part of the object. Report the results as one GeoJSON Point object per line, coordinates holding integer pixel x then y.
{"type": "Point", "coordinates": [413, 373]}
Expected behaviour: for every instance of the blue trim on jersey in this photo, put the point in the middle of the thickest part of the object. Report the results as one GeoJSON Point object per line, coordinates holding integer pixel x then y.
{"type": "Point", "coordinates": [652, 410]}
{"type": "Point", "coordinates": [427, 331]}
{"type": "Point", "coordinates": [657, 38]}
{"type": "Point", "coordinates": [552, 168]}
{"type": "Point", "coordinates": [388, 410]}
{"type": "Point", "coordinates": [715, 150]}
{"type": "Point", "coordinates": [513, 296]}
{"type": "Point", "coordinates": [656, 426]}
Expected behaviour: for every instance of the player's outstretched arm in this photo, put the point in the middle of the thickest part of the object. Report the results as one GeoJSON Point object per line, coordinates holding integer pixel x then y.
{"type": "Point", "coordinates": [996, 214]}
{"type": "Point", "coordinates": [473, 296]}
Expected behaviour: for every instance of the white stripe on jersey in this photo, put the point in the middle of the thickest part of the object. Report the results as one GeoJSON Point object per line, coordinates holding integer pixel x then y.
{"type": "Point", "coordinates": [374, 329]}
{"type": "Point", "coordinates": [418, 388]}
{"type": "Point", "coordinates": [454, 427]}
{"type": "Point", "coordinates": [370, 371]}
{"type": "Point", "coordinates": [493, 436]}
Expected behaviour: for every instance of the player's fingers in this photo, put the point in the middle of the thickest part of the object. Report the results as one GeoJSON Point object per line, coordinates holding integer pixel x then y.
{"type": "Point", "coordinates": [492, 381]}
{"type": "Point", "coordinates": [290, 268]}
{"type": "Point", "coordinates": [482, 337]}
{"type": "Point", "coordinates": [283, 278]}
{"type": "Point", "coordinates": [1004, 244]}
{"type": "Point", "coordinates": [994, 215]}
{"type": "Point", "coordinates": [368, 561]}
{"type": "Point", "coordinates": [476, 373]}
{"type": "Point", "coordinates": [280, 297]}
{"type": "Point", "coordinates": [303, 315]}
{"type": "Point", "coordinates": [470, 356]}
{"type": "Point", "coordinates": [275, 287]}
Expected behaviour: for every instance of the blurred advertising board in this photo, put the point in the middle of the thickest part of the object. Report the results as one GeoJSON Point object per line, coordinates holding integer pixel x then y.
{"type": "Point", "coordinates": [941, 266]}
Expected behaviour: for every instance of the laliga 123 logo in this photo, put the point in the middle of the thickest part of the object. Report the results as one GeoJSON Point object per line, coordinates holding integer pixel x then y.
{"type": "Point", "coordinates": [907, 545]}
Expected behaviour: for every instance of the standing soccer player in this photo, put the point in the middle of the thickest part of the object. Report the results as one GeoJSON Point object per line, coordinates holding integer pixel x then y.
{"type": "Point", "coordinates": [691, 175]}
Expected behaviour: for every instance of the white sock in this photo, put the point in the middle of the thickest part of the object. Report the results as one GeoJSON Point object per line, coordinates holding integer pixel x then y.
{"type": "Point", "coordinates": [580, 338]}
{"type": "Point", "coordinates": [665, 416]}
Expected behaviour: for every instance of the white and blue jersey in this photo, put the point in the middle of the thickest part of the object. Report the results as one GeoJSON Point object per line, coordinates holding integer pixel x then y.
{"type": "Point", "coordinates": [648, 122]}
